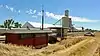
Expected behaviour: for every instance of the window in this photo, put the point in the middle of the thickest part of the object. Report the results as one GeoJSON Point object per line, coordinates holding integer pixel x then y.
{"type": "Point", "coordinates": [28, 35]}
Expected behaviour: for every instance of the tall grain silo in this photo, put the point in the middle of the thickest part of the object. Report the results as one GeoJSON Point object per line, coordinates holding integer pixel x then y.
{"type": "Point", "coordinates": [66, 22]}
{"type": "Point", "coordinates": [65, 19]}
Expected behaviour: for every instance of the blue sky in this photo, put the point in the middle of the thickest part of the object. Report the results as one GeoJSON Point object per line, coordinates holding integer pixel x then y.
{"type": "Point", "coordinates": [83, 12]}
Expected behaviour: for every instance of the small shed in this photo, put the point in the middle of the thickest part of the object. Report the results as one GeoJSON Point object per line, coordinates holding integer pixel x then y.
{"type": "Point", "coordinates": [23, 36]}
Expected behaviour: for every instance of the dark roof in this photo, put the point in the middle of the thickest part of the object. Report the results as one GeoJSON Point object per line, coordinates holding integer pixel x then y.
{"type": "Point", "coordinates": [24, 30]}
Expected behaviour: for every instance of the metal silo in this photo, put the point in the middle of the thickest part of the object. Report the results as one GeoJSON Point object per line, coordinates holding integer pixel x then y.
{"type": "Point", "coordinates": [65, 19]}
{"type": "Point", "coordinates": [66, 22]}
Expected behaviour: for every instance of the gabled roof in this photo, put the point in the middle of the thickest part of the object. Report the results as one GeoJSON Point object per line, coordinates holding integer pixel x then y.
{"type": "Point", "coordinates": [38, 25]}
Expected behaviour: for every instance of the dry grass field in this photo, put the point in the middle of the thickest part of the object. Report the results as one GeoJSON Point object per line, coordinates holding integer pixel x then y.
{"type": "Point", "coordinates": [75, 46]}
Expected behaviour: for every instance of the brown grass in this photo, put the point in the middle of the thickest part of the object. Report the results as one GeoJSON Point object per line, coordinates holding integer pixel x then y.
{"type": "Point", "coordinates": [97, 53]}
{"type": "Point", "coordinates": [14, 50]}
{"type": "Point", "coordinates": [60, 46]}
{"type": "Point", "coordinates": [70, 41]}
{"type": "Point", "coordinates": [86, 50]}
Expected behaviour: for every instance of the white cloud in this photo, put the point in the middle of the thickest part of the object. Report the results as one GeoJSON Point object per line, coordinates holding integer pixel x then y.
{"type": "Point", "coordinates": [30, 11]}
{"type": "Point", "coordinates": [82, 19]}
{"type": "Point", "coordinates": [34, 16]}
{"type": "Point", "coordinates": [52, 15]}
{"type": "Point", "coordinates": [34, 11]}
{"type": "Point", "coordinates": [75, 19]}
{"type": "Point", "coordinates": [39, 13]}
{"type": "Point", "coordinates": [7, 6]}
{"type": "Point", "coordinates": [12, 9]}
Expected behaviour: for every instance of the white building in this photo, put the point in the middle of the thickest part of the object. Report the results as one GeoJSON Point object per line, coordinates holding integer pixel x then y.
{"type": "Point", "coordinates": [38, 25]}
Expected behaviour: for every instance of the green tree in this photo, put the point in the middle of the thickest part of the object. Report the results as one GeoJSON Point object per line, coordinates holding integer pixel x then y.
{"type": "Point", "coordinates": [8, 23]}
{"type": "Point", "coordinates": [1, 26]}
{"type": "Point", "coordinates": [17, 25]}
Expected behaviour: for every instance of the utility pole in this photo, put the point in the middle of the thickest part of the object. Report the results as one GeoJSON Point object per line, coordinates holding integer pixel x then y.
{"type": "Point", "coordinates": [42, 17]}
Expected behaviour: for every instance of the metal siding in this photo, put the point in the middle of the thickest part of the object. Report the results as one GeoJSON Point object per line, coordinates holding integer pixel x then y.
{"type": "Point", "coordinates": [15, 39]}
{"type": "Point", "coordinates": [26, 41]}
{"type": "Point", "coordinates": [65, 22]}
{"type": "Point", "coordinates": [41, 40]}
{"type": "Point", "coordinates": [12, 38]}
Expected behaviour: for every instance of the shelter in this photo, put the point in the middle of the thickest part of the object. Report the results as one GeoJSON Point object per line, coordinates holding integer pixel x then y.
{"type": "Point", "coordinates": [24, 36]}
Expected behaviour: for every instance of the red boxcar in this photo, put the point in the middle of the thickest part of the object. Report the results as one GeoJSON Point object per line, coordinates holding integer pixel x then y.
{"type": "Point", "coordinates": [36, 38]}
